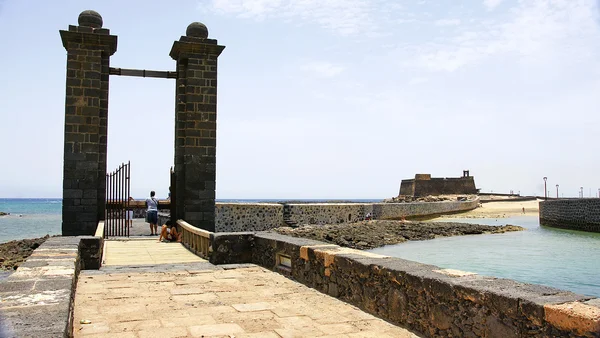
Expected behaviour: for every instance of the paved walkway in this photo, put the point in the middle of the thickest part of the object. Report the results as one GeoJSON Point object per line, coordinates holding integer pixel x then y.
{"type": "Point", "coordinates": [139, 227]}
{"type": "Point", "coordinates": [146, 288]}
{"type": "Point", "coordinates": [146, 250]}
{"type": "Point", "coordinates": [202, 300]}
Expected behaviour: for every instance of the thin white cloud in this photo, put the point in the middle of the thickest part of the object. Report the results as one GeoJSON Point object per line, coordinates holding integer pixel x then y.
{"type": "Point", "coordinates": [491, 4]}
{"type": "Point", "coordinates": [536, 28]}
{"type": "Point", "coordinates": [345, 17]}
{"type": "Point", "coordinates": [323, 69]}
{"type": "Point", "coordinates": [417, 80]}
{"type": "Point", "coordinates": [447, 22]}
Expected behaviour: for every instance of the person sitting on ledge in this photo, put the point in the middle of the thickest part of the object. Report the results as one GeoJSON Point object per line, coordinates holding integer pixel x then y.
{"type": "Point", "coordinates": [169, 233]}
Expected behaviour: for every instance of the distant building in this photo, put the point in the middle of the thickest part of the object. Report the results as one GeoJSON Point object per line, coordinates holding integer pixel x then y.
{"type": "Point", "coordinates": [425, 185]}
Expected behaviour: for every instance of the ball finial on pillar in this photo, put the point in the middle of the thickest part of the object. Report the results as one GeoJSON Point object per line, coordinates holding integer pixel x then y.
{"type": "Point", "coordinates": [90, 18]}
{"type": "Point", "coordinates": [197, 30]}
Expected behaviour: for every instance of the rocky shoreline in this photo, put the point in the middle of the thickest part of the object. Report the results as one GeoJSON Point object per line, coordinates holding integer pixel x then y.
{"type": "Point", "coordinates": [13, 253]}
{"type": "Point", "coordinates": [375, 233]}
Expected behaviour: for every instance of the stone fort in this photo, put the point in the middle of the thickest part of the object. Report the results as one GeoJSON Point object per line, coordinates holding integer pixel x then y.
{"type": "Point", "coordinates": [425, 185]}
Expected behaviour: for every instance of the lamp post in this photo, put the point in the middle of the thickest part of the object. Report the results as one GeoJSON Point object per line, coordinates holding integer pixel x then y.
{"type": "Point", "coordinates": [545, 190]}
{"type": "Point", "coordinates": [557, 191]}
{"type": "Point", "coordinates": [581, 191]}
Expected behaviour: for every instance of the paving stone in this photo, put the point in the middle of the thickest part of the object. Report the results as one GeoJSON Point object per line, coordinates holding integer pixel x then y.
{"type": "Point", "coordinates": [93, 328]}
{"type": "Point", "coordinates": [252, 307]}
{"type": "Point", "coordinates": [332, 329]}
{"type": "Point", "coordinates": [264, 334]}
{"type": "Point", "coordinates": [215, 329]}
{"type": "Point", "coordinates": [170, 332]}
{"type": "Point", "coordinates": [296, 322]}
{"type": "Point", "coordinates": [152, 304]}
{"type": "Point", "coordinates": [136, 325]}
{"type": "Point", "coordinates": [187, 291]}
{"type": "Point", "coordinates": [296, 333]}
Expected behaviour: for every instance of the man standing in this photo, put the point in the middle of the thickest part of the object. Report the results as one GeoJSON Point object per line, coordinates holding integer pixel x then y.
{"type": "Point", "coordinates": [152, 213]}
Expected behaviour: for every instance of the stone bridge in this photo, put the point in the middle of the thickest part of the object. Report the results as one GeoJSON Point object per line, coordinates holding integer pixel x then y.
{"type": "Point", "coordinates": [267, 285]}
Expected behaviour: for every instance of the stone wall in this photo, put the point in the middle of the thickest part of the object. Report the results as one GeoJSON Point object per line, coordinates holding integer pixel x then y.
{"type": "Point", "coordinates": [424, 185]}
{"type": "Point", "coordinates": [399, 210]}
{"type": "Point", "coordinates": [236, 217]}
{"type": "Point", "coordinates": [424, 298]}
{"type": "Point", "coordinates": [576, 214]}
{"type": "Point", "coordinates": [328, 213]}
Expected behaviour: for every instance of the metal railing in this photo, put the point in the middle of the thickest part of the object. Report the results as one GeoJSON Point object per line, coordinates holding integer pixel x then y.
{"type": "Point", "coordinates": [117, 201]}
{"type": "Point", "coordinates": [196, 240]}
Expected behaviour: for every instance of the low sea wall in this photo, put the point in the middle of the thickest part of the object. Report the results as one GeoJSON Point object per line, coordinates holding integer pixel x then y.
{"type": "Point", "coordinates": [576, 214]}
{"type": "Point", "coordinates": [240, 217]}
{"type": "Point", "coordinates": [399, 210]}
{"type": "Point", "coordinates": [423, 298]}
{"type": "Point", "coordinates": [234, 217]}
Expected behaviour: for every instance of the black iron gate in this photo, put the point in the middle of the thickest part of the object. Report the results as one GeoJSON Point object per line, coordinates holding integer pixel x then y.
{"type": "Point", "coordinates": [172, 196]}
{"type": "Point", "coordinates": [117, 202]}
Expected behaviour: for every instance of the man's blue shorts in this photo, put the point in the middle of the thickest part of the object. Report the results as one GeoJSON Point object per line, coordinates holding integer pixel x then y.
{"type": "Point", "coordinates": [152, 216]}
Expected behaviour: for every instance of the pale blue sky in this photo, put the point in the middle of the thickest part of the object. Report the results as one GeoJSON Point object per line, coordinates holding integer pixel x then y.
{"type": "Point", "coordinates": [325, 98]}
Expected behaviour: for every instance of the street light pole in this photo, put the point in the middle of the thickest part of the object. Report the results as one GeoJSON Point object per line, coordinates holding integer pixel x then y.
{"type": "Point", "coordinates": [545, 190]}
{"type": "Point", "coordinates": [581, 191]}
{"type": "Point", "coordinates": [557, 191]}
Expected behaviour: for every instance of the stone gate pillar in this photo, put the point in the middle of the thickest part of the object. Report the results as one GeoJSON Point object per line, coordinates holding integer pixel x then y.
{"type": "Point", "coordinates": [196, 126]}
{"type": "Point", "coordinates": [89, 47]}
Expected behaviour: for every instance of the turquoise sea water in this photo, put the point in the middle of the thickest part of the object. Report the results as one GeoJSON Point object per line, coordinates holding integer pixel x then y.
{"type": "Point", "coordinates": [29, 218]}
{"type": "Point", "coordinates": [564, 259]}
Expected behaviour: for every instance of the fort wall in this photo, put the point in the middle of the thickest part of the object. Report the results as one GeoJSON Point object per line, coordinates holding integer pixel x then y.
{"type": "Point", "coordinates": [425, 185]}
{"type": "Point", "coordinates": [576, 214]}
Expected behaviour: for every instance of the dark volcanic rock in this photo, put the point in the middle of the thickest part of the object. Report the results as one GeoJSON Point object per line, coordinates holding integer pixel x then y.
{"type": "Point", "coordinates": [13, 253]}
{"type": "Point", "coordinates": [372, 234]}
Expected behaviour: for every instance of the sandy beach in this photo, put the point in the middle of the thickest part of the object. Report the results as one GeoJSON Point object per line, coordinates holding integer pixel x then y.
{"type": "Point", "coordinates": [500, 210]}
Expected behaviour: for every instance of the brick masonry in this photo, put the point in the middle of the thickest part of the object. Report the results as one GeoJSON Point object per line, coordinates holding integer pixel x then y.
{"type": "Point", "coordinates": [196, 129]}
{"type": "Point", "coordinates": [575, 214]}
{"type": "Point", "coordinates": [86, 120]}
